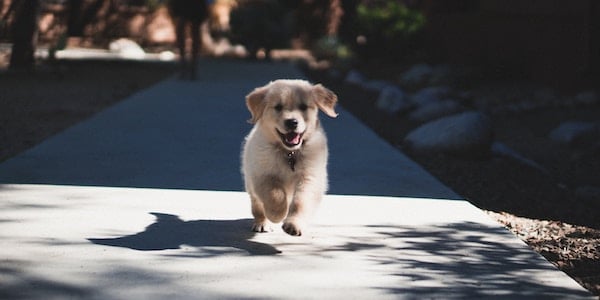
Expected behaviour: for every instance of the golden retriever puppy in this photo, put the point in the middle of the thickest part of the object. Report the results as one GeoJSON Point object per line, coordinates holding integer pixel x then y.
{"type": "Point", "coordinates": [284, 157]}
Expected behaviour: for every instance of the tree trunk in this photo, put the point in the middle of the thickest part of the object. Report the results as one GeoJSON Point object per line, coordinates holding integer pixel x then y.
{"type": "Point", "coordinates": [74, 26]}
{"type": "Point", "coordinates": [24, 35]}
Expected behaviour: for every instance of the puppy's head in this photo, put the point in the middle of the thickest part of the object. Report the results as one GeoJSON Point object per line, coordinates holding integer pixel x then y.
{"type": "Point", "coordinates": [286, 110]}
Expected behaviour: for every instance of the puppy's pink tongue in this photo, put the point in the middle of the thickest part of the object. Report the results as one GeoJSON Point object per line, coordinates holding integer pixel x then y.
{"type": "Point", "coordinates": [293, 138]}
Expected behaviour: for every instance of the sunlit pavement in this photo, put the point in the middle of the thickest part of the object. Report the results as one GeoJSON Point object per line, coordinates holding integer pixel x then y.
{"type": "Point", "coordinates": [145, 201]}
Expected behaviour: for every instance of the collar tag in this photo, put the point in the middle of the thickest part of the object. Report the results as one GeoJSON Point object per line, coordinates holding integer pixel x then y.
{"type": "Point", "coordinates": [291, 159]}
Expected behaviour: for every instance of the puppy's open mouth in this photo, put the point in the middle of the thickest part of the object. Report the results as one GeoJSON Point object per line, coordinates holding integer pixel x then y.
{"type": "Point", "coordinates": [291, 139]}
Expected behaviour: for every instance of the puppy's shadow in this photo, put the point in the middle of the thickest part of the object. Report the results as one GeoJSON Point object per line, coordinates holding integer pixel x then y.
{"type": "Point", "coordinates": [170, 232]}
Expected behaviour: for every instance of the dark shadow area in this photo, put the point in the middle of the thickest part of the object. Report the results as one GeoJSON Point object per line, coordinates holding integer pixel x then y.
{"type": "Point", "coordinates": [64, 93]}
{"type": "Point", "coordinates": [182, 135]}
{"type": "Point", "coordinates": [458, 261]}
{"type": "Point", "coordinates": [170, 232]}
{"type": "Point", "coordinates": [555, 189]}
{"type": "Point", "coordinates": [25, 285]}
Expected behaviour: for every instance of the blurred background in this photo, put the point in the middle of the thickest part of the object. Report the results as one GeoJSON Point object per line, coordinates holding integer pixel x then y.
{"type": "Point", "coordinates": [551, 41]}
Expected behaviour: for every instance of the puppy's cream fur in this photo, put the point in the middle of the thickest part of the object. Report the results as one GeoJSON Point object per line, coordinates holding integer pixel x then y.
{"type": "Point", "coordinates": [285, 165]}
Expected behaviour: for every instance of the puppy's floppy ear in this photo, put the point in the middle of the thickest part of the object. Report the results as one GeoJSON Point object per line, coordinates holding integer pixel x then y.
{"type": "Point", "coordinates": [325, 100]}
{"type": "Point", "coordinates": [255, 101]}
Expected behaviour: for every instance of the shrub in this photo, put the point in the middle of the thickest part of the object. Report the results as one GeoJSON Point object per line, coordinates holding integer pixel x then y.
{"type": "Point", "coordinates": [389, 26]}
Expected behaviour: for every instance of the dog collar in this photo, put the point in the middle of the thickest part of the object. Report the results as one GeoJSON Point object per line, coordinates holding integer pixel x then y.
{"type": "Point", "coordinates": [291, 160]}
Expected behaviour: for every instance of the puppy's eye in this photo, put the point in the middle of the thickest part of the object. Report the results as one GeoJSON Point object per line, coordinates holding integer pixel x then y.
{"type": "Point", "coordinates": [278, 107]}
{"type": "Point", "coordinates": [303, 106]}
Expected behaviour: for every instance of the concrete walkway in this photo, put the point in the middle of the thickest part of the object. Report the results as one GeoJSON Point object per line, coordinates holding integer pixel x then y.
{"type": "Point", "coordinates": [145, 201]}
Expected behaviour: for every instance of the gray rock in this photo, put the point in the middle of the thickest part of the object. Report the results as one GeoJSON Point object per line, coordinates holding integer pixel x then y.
{"type": "Point", "coordinates": [465, 133]}
{"type": "Point", "coordinates": [417, 75]}
{"type": "Point", "coordinates": [127, 48]}
{"type": "Point", "coordinates": [575, 132]}
{"type": "Point", "coordinates": [435, 110]}
{"type": "Point", "coordinates": [502, 149]}
{"type": "Point", "coordinates": [393, 100]}
{"type": "Point", "coordinates": [523, 106]}
{"type": "Point", "coordinates": [586, 98]}
{"type": "Point", "coordinates": [355, 78]}
{"type": "Point", "coordinates": [375, 85]}
{"type": "Point", "coordinates": [334, 74]}
{"type": "Point", "coordinates": [430, 95]}
{"type": "Point", "coordinates": [441, 74]}
{"type": "Point", "coordinates": [588, 193]}
{"type": "Point", "coordinates": [546, 95]}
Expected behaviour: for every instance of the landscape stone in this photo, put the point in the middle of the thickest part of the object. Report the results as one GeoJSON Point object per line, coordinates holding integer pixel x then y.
{"type": "Point", "coordinates": [588, 193]}
{"type": "Point", "coordinates": [572, 132]}
{"type": "Point", "coordinates": [417, 75]}
{"type": "Point", "coordinates": [393, 100]}
{"type": "Point", "coordinates": [465, 133]}
{"type": "Point", "coordinates": [501, 149]}
{"type": "Point", "coordinates": [435, 110]}
{"type": "Point", "coordinates": [441, 74]}
{"type": "Point", "coordinates": [127, 48]}
{"type": "Point", "coordinates": [355, 78]}
{"type": "Point", "coordinates": [375, 85]}
{"type": "Point", "coordinates": [546, 95]}
{"type": "Point", "coordinates": [429, 95]}
{"type": "Point", "coordinates": [587, 98]}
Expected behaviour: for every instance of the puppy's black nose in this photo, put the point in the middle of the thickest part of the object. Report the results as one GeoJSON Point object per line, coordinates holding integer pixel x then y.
{"type": "Point", "coordinates": [291, 124]}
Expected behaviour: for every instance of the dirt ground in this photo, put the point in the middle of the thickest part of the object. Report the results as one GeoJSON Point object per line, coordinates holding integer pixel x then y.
{"type": "Point", "coordinates": [38, 105]}
{"type": "Point", "coordinates": [538, 208]}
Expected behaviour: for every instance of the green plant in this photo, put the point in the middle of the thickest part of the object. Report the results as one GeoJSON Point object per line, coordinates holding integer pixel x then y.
{"type": "Point", "coordinates": [388, 20]}
{"type": "Point", "coordinates": [154, 4]}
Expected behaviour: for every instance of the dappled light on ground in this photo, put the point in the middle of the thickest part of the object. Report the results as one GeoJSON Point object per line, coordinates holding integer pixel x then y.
{"type": "Point", "coordinates": [123, 242]}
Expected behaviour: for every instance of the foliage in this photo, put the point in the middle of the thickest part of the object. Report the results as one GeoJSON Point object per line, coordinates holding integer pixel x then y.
{"type": "Point", "coordinates": [332, 47]}
{"type": "Point", "coordinates": [390, 19]}
{"type": "Point", "coordinates": [334, 50]}
{"type": "Point", "coordinates": [388, 23]}
{"type": "Point", "coordinates": [154, 4]}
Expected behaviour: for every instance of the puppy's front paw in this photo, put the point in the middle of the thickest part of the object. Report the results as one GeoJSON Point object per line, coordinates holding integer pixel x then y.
{"type": "Point", "coordinates": [292, 228]}
{"type": "Point", "coordinates": [261, 227]}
